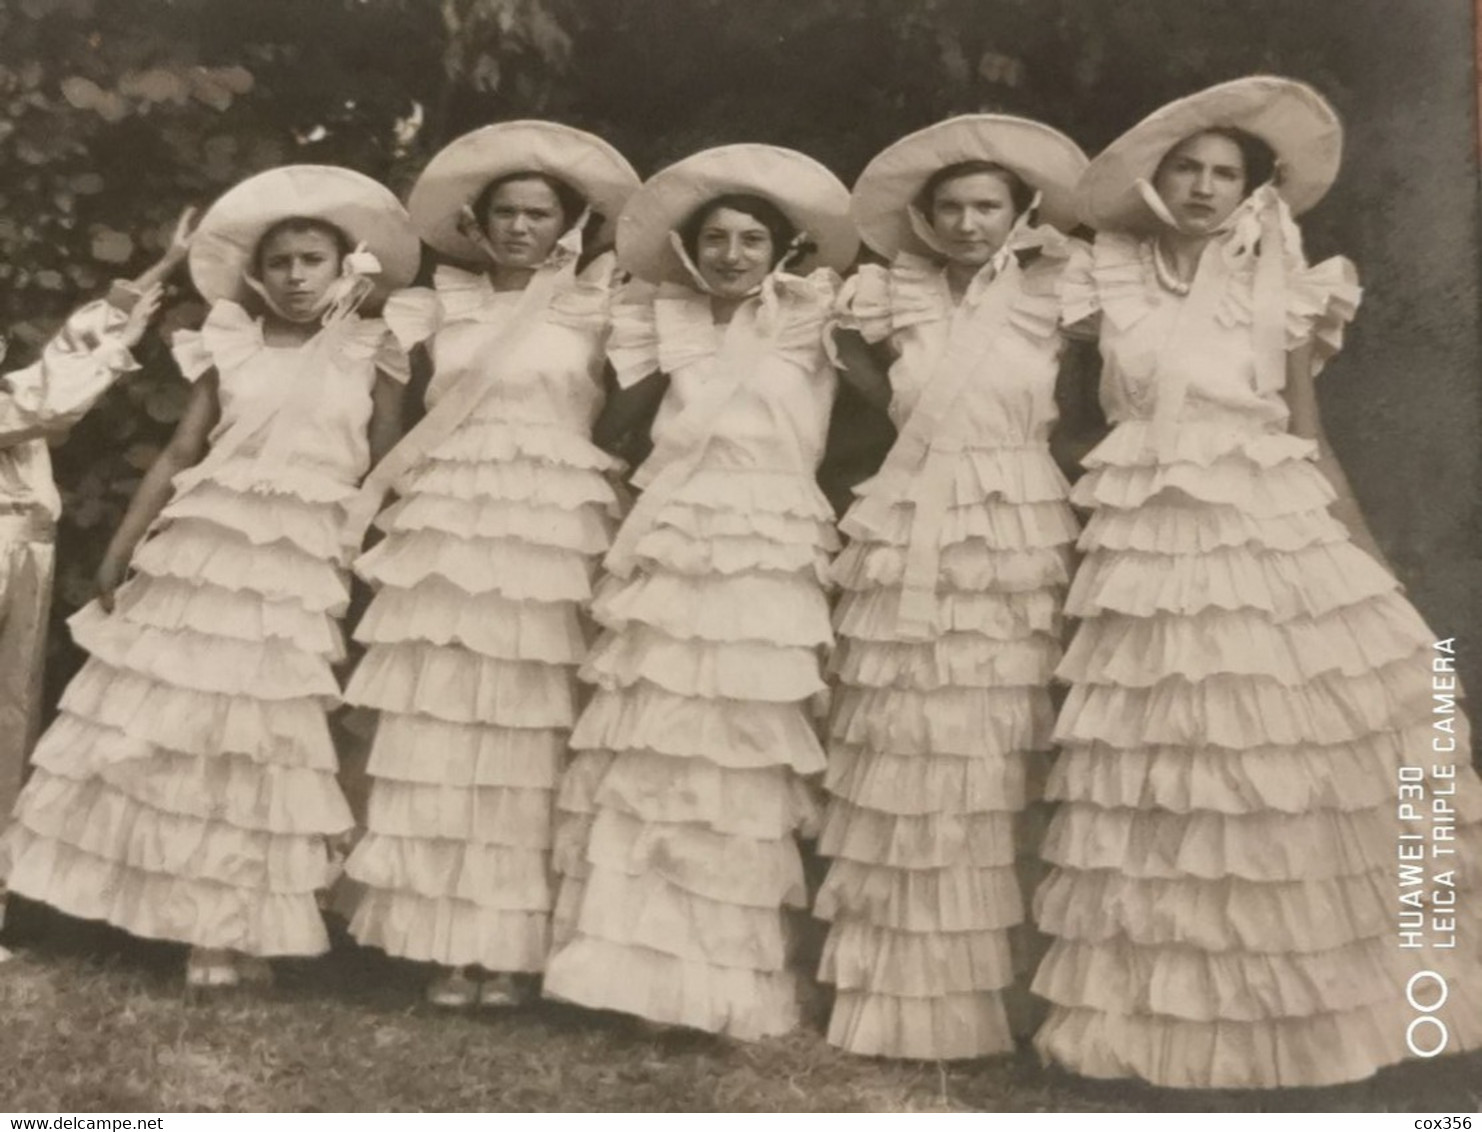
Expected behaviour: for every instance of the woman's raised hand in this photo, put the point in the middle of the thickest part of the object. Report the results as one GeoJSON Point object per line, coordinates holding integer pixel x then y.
{"type": "Point", "coordinates": [144, 309]}
{"type": "Point", "coordinates": [185, 230]}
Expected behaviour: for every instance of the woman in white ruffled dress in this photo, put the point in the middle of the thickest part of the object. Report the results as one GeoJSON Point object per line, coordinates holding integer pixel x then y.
{"type": "Point", "coordinates": [1246, 681]}
{"type": "Point", "coordinates": [187, 791]}
{"type": "Point", "coordinates": [950, 620]}
{"type": "Point", "coordinates": [679, 814]}
{"type": "Point", "coordinates": [484, 575]}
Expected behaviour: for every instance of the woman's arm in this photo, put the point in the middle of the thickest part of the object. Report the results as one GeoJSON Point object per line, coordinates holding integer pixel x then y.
{"type": "Point", "coordinates": [186, 448]}
{"type": "Point", "coordinates": [77, 367]}
{"type": "Point", "coordinates": [866, 368]}
{"type": "Point", "coordinates": [1082, 422]}
{"type": "Point", "coordinates": [388, 401]}
{"type": "Point", "coordinates": [1306, 422]}
{"type": "Point", "coordinates": [179, 247]}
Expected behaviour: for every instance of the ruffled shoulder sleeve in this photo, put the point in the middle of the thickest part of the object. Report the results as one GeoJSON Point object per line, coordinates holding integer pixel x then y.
{"type": "Point", "coordinates": [228, 338]}
{"type": "Point", "coordinates": [1121, 278]}
{"type": "Point", "coordinates": [685, 326]}
{"type": "Point", "coordinates": [1038, 311]}
{"type": "Point", "coordinates": [881, 301]}
{"type": "Point", "coordinates": [413, 315]}
{"type": "Point", "coordinates": [1079, 302]}
{"type": "Point", "coordinates": [633, 347]}
{"type": "Point", "coordinates": [462, 294]}
{"type": "Point", "coordinates": [1321, 302]}
{"type": "Point", "coordinates": [918, 292]}
{"type": "Point", "coordinates": [863, 304]}
{"type": "Point", "coordinates": [804, 313]}
{"type": "Point", "coordinates": [586, 302]}
{"type": "Point", "coordinates": [370, 340]}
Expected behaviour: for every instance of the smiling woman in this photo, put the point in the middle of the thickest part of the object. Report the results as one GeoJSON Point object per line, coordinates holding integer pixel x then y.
{"type": "Point", "coordinates": [681, 807]}
{"type": "Point", "coordinates": [734, 241]}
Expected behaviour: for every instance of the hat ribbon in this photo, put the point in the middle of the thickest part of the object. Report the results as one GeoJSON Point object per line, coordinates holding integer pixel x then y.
{"type": "Point", "coordinates": [921, 467]}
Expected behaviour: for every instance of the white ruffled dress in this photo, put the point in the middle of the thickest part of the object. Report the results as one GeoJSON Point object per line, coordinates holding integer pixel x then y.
{"type": "Point", "coordinates": [475, 632]}
{"type": "Point", "coordinates": [942, 715]}
{"type": "Point", "coordinates": [677, 842]}
{"type": "Point", "coordinates": [1245, 684]}
{"type": "Point", "coordinates": [187, 791]}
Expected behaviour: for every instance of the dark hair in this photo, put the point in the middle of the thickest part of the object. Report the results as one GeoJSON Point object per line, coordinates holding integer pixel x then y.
{"type": "Point", "coordinates": [296, 224]}
{"type": "Point", "coordinates": [1020, 194]}
{"type": "Point", "coordinates": [1256, 154]}
{"type": "Point", "coordinates": [759, 208]}
{"type": "Point", "coordinates": [572, 202]}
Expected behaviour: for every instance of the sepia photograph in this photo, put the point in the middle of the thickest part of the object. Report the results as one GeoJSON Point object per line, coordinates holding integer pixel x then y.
{"type": "Point", "coordinates": [894, 556]}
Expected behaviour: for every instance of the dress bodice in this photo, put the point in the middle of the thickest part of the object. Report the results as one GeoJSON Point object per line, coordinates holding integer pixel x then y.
{"type": "Point", "coordinates": [287, 409]}
{"type": "Point", "coordinates": [1118, 279]}
{"type": "Point", "coordinates": [1007, 395]}
{"type": "Point", "coordinates": [551, 376]}
{"type": "Point", "coordinates": [777, 418]}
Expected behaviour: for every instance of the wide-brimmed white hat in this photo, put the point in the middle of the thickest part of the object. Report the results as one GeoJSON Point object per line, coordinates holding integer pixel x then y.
{"type": "Point", "coordinates": [224, 245]}
{"type": "Point", "coordinates": [1043, 158]}
{"type": "Point", "coordinates": [1293, 119]}
{"type": "Point", "coordinates": [805, 191]}
{"type": "Point", "coordinates": [462, 169]}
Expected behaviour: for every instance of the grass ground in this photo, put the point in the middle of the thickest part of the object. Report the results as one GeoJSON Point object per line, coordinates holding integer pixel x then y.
{"type": "Point", "coordinates": [94, 1021]}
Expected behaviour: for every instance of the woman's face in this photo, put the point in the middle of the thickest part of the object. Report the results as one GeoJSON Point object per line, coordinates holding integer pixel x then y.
{"type": "Point", "coordinates": [1202, 180]}
{"type": "Point", "coordinates": [734, 252]}
{"type": "Point", "coordinates": [524, 222]}
{"type": "Point", "coordinates": [972, 215]}
{"type": "Point", "coordinates": [297, 269]}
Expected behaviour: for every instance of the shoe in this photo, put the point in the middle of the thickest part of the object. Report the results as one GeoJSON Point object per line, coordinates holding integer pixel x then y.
{"type": "Point", "coordinates": [452, 989]}
{"type": "Point", "coordinates": [504, 991]}
{"type": "Point", "coordinates": [209, 967]}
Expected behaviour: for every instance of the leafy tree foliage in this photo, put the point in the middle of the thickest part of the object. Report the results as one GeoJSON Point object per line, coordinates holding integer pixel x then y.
{"type": "Point", "coordinates": [118, 112]}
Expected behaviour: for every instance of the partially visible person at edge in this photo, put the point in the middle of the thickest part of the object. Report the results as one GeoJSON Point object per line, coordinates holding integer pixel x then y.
{"type": "Point", "coordinates": [187, 791]}
{"type": "Point", "coordinates": [679, 814]}
{"type": "Point", "coordinates": [953, 581]}
{"type": "Point", "coordinates": [38, 404]}
{"type": "Point", "coordinates": [483, 580]}
{"type": "Point", "coordinates": [1247, 678]}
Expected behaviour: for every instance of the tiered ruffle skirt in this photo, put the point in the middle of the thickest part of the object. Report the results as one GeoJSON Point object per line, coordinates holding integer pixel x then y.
{"type": "Point", "coordinates": [1245, 686]}
{"type": "Point", "coordinates": [187, 790]}
{"type": "Point", "coordinates": [473, 638]}
{"type": "Point", "coordinates": [937, 747]}
{"type": "Point", "coordinates": [677, 844]}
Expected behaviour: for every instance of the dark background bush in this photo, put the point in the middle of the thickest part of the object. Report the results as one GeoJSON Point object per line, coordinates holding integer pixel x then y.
{"type": "Point", "coordinates": [118, 112]}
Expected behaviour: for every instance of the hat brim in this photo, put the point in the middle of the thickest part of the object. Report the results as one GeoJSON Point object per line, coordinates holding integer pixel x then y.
{"type": "Point", "coordinates": [461, 170]}
{"type": "Point", "coordinates": [1298, 124]}
{"type": "Point", "coordinates": [1043, 158]}
{"type": "Point", "coordinates": [222, 250]}
{"type": "Point", "coordinates": [808, 194]}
